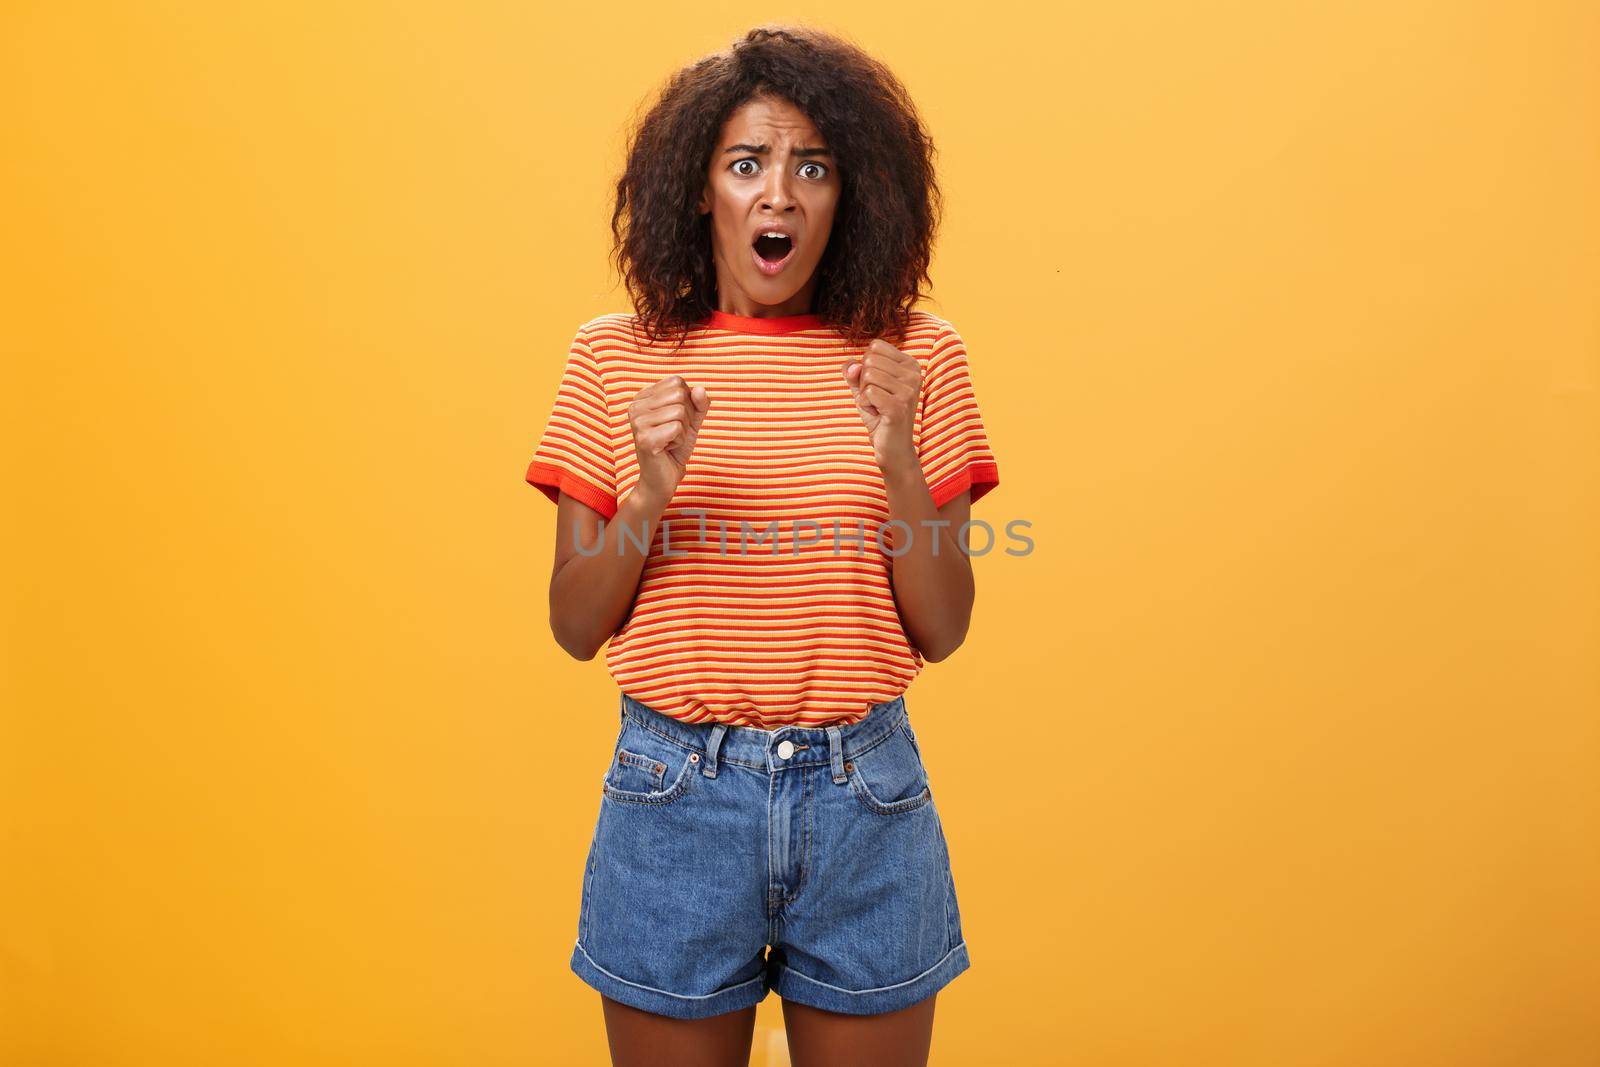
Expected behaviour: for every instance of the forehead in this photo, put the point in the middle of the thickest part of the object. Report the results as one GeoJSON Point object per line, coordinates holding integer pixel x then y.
{"type": "Point", "coordinates": [769, 120]}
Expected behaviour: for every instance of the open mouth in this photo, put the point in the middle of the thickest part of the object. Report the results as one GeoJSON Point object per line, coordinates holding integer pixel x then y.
{"type": "Point", "coordinates": [772, 253]}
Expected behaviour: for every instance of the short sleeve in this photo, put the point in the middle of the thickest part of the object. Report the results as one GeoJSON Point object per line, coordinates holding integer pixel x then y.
{"type": "Point", "coordinates": [574, 454]}
{"type": "Point", "coordinates": [953, 446]}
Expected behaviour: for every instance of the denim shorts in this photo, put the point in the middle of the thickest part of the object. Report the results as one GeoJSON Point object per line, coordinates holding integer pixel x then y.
{"type": "Point", "coordinates": [716, 843]}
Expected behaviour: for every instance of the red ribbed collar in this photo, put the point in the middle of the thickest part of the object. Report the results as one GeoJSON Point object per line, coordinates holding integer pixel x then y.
{"type": "Point", "coordinates": [722, 320]}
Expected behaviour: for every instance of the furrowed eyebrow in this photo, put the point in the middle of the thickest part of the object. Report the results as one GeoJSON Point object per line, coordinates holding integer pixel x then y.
{"type": "Point", "coordinates": [761, 150]}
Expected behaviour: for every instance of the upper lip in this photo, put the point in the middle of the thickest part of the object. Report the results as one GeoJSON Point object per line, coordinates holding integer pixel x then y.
{"type": "Point", "coordinates": [784, 228]}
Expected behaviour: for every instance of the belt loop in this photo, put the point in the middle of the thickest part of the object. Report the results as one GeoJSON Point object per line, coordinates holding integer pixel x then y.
{"type": "Point", "coordinates": [713, 742]}
{"type": "Point", "coordinates": [836, 753]}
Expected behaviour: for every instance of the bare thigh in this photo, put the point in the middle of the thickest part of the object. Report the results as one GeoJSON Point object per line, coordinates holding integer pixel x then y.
{"type": "Point", "coordinates": [820, 1038]}
{"type": "Point", "coordinates": [645, 1039]}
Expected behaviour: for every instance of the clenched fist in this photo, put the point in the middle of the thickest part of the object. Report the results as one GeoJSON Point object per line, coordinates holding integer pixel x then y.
{"type": "Point", "coordinates": [666, 419]}
{"type": "Point", "coordinates": [886, 384]}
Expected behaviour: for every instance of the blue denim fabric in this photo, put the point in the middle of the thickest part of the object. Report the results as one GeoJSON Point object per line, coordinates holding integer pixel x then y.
{"type": "Point", "coordinates": [716, 843]}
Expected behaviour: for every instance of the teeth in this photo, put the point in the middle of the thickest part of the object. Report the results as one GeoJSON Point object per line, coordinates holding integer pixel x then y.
{"type": "Point", "coordinates": [774, 233]}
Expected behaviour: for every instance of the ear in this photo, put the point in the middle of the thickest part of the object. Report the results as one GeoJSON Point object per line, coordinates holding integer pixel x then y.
{"type": "Point", "coordinates": [704, 207]}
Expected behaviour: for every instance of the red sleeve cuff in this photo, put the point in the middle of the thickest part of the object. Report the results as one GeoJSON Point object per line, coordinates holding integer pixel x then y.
{"type": "Point", "coordinates": [978, 477]}
{"type": "Point", "coordinates": [553, 481]}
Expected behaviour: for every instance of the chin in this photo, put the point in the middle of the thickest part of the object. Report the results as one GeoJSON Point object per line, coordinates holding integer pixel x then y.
{"type": "Point", "coordinates": [773, 291]}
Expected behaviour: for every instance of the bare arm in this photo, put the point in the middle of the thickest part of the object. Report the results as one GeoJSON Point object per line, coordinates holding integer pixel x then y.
{"type": "Point", "coordinates": [933, 584]}
{"type": "Point", "coordinates": [592, 590]}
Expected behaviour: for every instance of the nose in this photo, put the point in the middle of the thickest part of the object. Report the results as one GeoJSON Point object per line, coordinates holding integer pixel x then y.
{"type": "Point", "coordinates": [776, 193]}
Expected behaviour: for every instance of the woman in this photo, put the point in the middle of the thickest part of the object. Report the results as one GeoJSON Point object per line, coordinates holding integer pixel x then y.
{"type": "Point", "coordinates": [725, 460]}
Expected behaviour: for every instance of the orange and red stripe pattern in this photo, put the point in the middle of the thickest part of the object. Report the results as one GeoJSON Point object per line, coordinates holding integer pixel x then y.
{"type": "Point", "coordinates": [765, 599]}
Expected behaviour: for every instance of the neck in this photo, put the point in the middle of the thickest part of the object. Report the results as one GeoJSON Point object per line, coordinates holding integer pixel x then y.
{"type": "Point", "coordinates": [733, 301]}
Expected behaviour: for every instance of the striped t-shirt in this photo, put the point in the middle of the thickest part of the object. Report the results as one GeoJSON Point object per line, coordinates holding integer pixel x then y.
{"type": "Point", "coordinates": [766, 597]}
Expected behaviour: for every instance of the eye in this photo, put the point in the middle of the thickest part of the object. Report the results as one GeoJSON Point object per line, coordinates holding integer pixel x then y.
{"type": "Point", "coordinates": [743, 173]}
{"type": "Point", "coordinates": [811, 163]}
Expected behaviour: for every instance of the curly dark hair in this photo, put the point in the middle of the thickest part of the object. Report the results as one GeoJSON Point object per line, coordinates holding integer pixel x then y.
{"type": "Point", "coordinates": [876, 261]}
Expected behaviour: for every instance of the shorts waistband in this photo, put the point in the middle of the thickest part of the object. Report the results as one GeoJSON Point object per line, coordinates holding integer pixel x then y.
{"type": "Point", "coordinates": [750, 746]}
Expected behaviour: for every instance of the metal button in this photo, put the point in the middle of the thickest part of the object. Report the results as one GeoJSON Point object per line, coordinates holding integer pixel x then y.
{"type": "Point", "coordinates": [785, 748]}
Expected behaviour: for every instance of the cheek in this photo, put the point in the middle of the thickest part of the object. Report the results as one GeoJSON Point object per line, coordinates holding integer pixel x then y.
{"type": "Point", "coordinates": [727, 220]}
{"type": "Point", "coordinates": [824, 224]}
{"type": "Point", "coordinates": [826, 213]}
{"type": "Point", "coordinates": [725, 233]}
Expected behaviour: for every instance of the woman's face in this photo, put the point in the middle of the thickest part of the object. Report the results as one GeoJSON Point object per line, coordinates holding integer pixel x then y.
{"type": "Point", "coordinates": [770, 172]}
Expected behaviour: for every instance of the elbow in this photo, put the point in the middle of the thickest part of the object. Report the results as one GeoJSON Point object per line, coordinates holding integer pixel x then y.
{"type": "Point", "coordinates": [944, 647]}
{"type": "Point", "coordinates": [582, 653]}
{"type": "Point", "coordinates": [951, 632]}
{"type": "Point", "coordinates": [579, 646]}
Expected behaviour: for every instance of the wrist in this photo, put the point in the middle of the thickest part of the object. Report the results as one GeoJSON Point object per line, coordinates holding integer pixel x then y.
{"type": "Point", "coordinates": [898, 463]}
{"type": "Point", "coordinates": [645, 503]}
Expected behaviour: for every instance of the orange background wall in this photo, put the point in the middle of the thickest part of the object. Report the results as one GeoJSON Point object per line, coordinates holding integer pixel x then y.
{"type": "Point", "coordinates": [1280, 749]}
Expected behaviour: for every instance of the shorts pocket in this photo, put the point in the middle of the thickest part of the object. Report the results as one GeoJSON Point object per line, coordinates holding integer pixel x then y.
{"type": "Point", "coordinates": [889, 778]}
{"type": "Point", "coordinates": [648, 768]}
{"type": "Point", "coordinates": [634, 772]}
